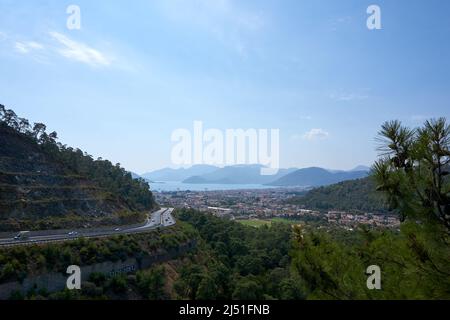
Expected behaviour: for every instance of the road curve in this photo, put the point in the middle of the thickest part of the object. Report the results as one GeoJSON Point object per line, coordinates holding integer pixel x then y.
{"type": "Point", "coordinates": [160, 218]}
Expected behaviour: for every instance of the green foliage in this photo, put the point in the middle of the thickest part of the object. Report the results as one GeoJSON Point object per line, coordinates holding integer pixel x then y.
{"type": "Point", "coordinates": [111, 177]}
{"type": "Point", "coordinates": [414, 170]}
{"type": "Point", "coordinates": [119, 284]}
{"type": "Point", "coordinates": [248, 288]}
{"type": "Point", "coordinates": [353, 195]}
{"type": "Point", "coordinates": [240, 261]}
{"type": "Point", "coordinates": [97, 278]}
{"type": "Point", "coordinates": [329, 269]}
{"type": "Point", "coordinates": [189, 281]}
{"type": "Point", "coordinates": [415, 263]}
{"type": "Point", "coordinates": [151, 283]}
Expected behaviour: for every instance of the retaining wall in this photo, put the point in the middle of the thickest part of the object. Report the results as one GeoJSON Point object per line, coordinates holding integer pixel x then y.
{"type": "Point", "coordinates": [53, 282]}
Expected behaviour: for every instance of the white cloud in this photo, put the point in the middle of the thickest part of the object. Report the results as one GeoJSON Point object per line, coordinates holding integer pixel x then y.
{"type": "Point", "coordinates": [27, 46]}
{"type": "Point", "coordinates": [80, 52]}
{"type": "Point", "coordinates": [316, 134]}
{"type": "Point", "coordinates": [45, 50]}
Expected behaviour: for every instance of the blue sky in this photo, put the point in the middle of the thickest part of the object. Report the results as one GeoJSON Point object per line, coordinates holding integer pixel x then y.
{"type": "Point", "coordinates": [137, 70]}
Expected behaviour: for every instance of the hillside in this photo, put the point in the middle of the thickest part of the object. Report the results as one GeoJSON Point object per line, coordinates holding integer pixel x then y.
{"type": "Point", "coordinates": [354, 195]}
{"type": "Point", "coordinates": [45, 185]}
{"type": "Point", "coordinates": [314, 177]}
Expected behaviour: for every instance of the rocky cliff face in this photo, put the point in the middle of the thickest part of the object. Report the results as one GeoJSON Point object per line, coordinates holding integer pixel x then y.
{"type": "Point", "coordinates": [38, 191]}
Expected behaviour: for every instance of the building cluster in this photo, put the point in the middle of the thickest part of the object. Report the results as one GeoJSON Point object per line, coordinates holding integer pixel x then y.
{"type": "Point", "coordinates": [264, 204]}
{"type": "Point", "coordinates": [351, 220]}
{"type": "Point", "coordinates": [259, 202]}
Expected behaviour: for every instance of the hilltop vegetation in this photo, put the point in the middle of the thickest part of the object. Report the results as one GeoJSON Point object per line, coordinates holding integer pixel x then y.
{"type": "Point", "coordinates": [45, 184]}
{"type": "Point", "coordinates": [354, 196]}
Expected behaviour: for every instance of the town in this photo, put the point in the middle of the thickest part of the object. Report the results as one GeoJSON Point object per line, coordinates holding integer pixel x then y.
{"type": "Point", "coordinates": [267, 204]}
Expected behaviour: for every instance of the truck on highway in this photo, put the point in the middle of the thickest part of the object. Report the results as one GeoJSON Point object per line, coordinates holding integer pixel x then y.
{"type": "Point", "coordinates": [22, 235]}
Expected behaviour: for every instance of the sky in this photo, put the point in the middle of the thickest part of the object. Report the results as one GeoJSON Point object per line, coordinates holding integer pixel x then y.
{"type": "Point", "coordinates": [137, 70]}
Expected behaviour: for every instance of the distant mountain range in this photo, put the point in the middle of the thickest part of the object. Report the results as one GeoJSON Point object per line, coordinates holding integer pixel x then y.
{"type": "Point", "coordinates": [361, 168]}
{"type": "Point", "coordinates": [168, 174]}
{"type": "Point", "coordinates": [314, 177]}
{"type": "Point", "coordinates": [358, 168]}
{"type": "Point", "coordinates": [240, 174]}
{"type": "Point", "coordinates": [251, 174]}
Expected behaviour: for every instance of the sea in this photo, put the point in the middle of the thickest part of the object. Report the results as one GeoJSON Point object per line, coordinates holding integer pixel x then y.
{"type": "Point", "coordinates": [167, 186]}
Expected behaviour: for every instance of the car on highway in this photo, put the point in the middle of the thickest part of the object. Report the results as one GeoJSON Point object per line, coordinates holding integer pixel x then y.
{"type": "Point", "coordinates": [22, 235]}
{"type": "Point", "coordinates": [72, 233]}
{"type": "Point", "coordinates": [117, 229]}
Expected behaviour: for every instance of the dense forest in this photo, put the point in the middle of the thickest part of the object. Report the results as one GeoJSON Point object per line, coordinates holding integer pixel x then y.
{"type": "Point", "coordinates": [353, 195]}
{"type": "Point", "coordinates": [243, 262]}
{"type": "Point", "coordinates": [43, 183]}
{"type": "Point", "coordinates": [233, 261]}
{"type": "Point", "coordinates": [303, 262]}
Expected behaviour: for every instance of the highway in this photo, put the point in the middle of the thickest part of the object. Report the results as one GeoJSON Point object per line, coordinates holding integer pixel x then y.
{"type": "Point", "coordinates": [160, 218]}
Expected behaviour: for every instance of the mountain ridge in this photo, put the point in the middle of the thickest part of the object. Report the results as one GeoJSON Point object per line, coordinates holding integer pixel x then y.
{"type": "Point", "coordinates": [315, 176]}
{"type": "Point", "coordinates": [238, 174]}
{"type": "Point", "coordinates": [169, 174]}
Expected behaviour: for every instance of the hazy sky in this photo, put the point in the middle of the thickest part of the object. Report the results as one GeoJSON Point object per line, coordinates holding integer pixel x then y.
{"type": "Point", "coordinates": [138, 70]}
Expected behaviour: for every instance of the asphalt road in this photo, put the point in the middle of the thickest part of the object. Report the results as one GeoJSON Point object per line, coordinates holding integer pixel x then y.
{"type": "Point", "coordinates": [167, 219]}
{"type": "Point", "coordinates": [160, 218]}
